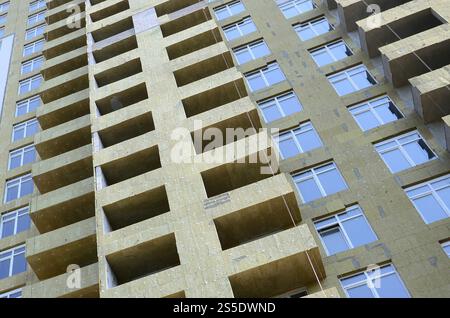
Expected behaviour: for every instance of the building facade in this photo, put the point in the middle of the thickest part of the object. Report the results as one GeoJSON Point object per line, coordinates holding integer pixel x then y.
{"type": "Point", "coordinates": [338, 178]}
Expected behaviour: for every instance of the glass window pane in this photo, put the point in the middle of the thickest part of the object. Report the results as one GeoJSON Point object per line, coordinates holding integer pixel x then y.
{"type": "Point", "coordinates": [256, 83]}
{"type": "Point", "coordinates": [334, 241]}
{"type": "Point", "coordinates": [260, 50]}
{"type": "Point", "coordinates": [309, 140]}
{"type": "Point", "coordinates": [15, 162]}
{"type": "Point", "coordinates": [418, 152]}
{"type": "Point", "coordinates": [392, 287]}
{"type": "Point", "coordinates": [444, 195]}
{"type": "Point", "coordinates": [20, 264]}
{"type": "Point", "coordinates": [274, 76]}
{"type": "Point", "coordinates": [367, 120]}
{"type": "Point", "coordinates": [23, 223]}
{"type": "Point", "coordinates": [332, 182]}
{"type": "Point", "coordinates": [359, 231]}
{"type": "Point", "coordinates": [309, 190]}
{"type": "Point", "coordinates": [343, 87]}
{"type": "Point", "coordinates": [4, 268]}
{"type": "Point", "coordinates": [429, 209]}
{"type": "Point", "coordinates": [27, 188]}
{"type": "Point", "coordinates": [361, 80]}
{"type": "Point", "coordinates": [290, 105]}
{"type": "Point", "coordinates": [360, 292]}
{"type": "Point", "coordinates": [12, 193]}
{"type": "Point", "coordinates": [396, 161]}
{"type": "Point", "coordinates": [288, 148]}
{"type": "Point", "coordinates": [322, 57]}
{"type": "Point", "coordinates": [243, 56]}
{"type": "Point", "coordinates": [8, 228]}
{"type": "Point", "coordinates": [271, 113]}
{"type": "Point", "coordinates": [29, 156]}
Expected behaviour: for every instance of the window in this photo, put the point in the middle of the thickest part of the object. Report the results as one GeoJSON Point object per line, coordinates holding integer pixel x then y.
{"type": "Point", "coordinates": [29, 84]}
{"type": "Point", "coordinates": [291, 8]}
{"type": "Point", "coordinates": [351, 80]}
{"type": "Point", "coordinates": [25, 129]}
{"type": "Point", "coordinates": [446, 248]}
{"type": "Point", "coordinates": [2, 31]}
{"type": "Point", "coordinates": [405, 151]}
{"type": "Point", "coordinates": [382, 283]}
{"type": "Point", "coordinates": [3, 18]}
{"type": "Point", "coordinates": [265, 77]}
{"type": "Point", "coordinates": [34, 47]}
{"type": "Point", "coordinates": [280, 106]}
{"type": "Point", "coordinates": [239, 29]}
{"type": "Point", "coordinates": [28, 105]}
{"type": "Point", "coordinates": [12, 262]}
{"type": "Point", "coordinates": [331, 53]}
{"type": "Point", "coordinates": [36, 5]}
{"type": "Point", "coordinates": [32, 65]}
{"type": "Point", "coordinates": [431, 199]}
{"type": "Point", "coordinates": [251, 51]}
{"type": "Point", "coordinates": [14, 222]}
{"type": "Point", "coordinates": [319, 182]}
{"type": "Point", "coordinates": [18, 187]}
{"type": "Point", "coordinates": [345, 231]}
{"type": "Point", "coordinates": [375, 113]}
{"type": "Point", "coordinates": [313, 28]}
{"type": "Point", "coordinates": [34, 32]}
{"type": "Point", "coordinates": [4, 7]}
{"type": "Point", "coordinates": [21, 157]}
{"type": "Point", "coordinates": [36, 18]}
{"type": "Point", "coordinates": [299, 140]}
{"type": "Point", "coordinates": [17, 293]}
{"type": "Point", "coordinates": [229, 10]}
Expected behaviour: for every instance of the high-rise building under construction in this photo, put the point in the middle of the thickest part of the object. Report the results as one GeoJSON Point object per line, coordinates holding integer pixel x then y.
{"type": "Point", "coordinates": [111, 113]}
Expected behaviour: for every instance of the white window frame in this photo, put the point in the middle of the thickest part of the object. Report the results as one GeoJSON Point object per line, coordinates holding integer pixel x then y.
{"type": "Point", "coordinates": [227, 8]}
{"type": "Point", "coordinates": [339, 223]}
{"type": "Point", "coordinates": [34, 32]}
{"type": "Point", "coordinates": [7, 295]}
{"type": "Point", "coordinates": [400, 147]}
{"type": "Point", "coordinates": [262, 73]}
{"type": "Point", "coordinates": [36, 18]}
{"type": "Point", "coordinates": [371, 107]}
{"type": "Point", "coordinates": [20, 153]}
{"type": "Point", "coordinates": [4, 7]}
{"type": "Point", "coordinates": [249, 48]}
{"type": "Point", "coordinates": [431, 191]}
{"type": "Point", "coordinates": [12, 215]}
{"type": "Point", "coordinates": [36, 5]}
{"type": "Point", "coordinates": [33, 45]}
{"type": "Point", "coordinates": [32, 63]}
{"type": "Point", "coordinates": [29, 83]}
{"type": "Point", "coordinates": [294, 4]}
{"type": "Point", "coordinates": [25, 124]}
{"type": "Point", "coordinates": [294, 134]}
{"type": "Point", "coordinates": [347, 75]}
{"type": "Point", "coordinates": [444, 246]}
{"type": "Point", "coordinates": [315, 176]}
{"type": "Point", "coordinates": [372, 277]}
{"type": "Point", "coordinates": [16, 181]}
{"type": "Point", "coordinates": [27, 102]}
{"type": "Point", "coordinates": [14, 252]}
{"type": "Point", "coordinates": [327, 48]}
{"type": "Point", "coordinates": [310, 25]}
{"type": "Point", "coordinates": [237, 26]}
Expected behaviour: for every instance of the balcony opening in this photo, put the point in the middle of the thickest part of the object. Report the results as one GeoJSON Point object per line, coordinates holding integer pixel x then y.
{"type": "Point", "coordinates": [119, 72]}
{"type": "Point", "coordinates": [113, 29]}
{"type": "Point", "coordinates": [54, 34]}
{"type": "Point", "coordinates": [171, 6]}
{"type": "Point", "coordinates": [215, 97]}
{"type": "Point", "coordinates": [110, 11]}
{"type": "Point", "coordinates": [125, 45]}
{"type": "Point", "coordinates": [203, 69]}
{"type": "Point", "coordinates": [137, 208]}
{"type": "Point", "coordinates": [232, 176]}
{"type": "Point", "coordinates": [63, 14]}
{"type": "Point", "coordinates": [127, 129]}
{"type": "Point", "coordinates": [122, 99]}
{"type": "Point", "coordinates": [131, 166]}
{"type": "Point", "coordinates": [244, 125]}
{"type": "Point", "coordinates": [65, 66]}
{"type": "Point", "coordinates": [257, 221]}
{"type": "Point", "coordinates": [143, 259]}
{"type": "Point", "coordinates": [278, 277]}
{"type": "Point", "coordinates": [404, 27]}
{"type": "Point", "coordinates": [194, 44]}
{"type": "Point", "coordinates": [65, 46]}
{"type": "Point", "coordinates": [63, 88]}
{"type": "Point", "coordinates": [185, 22]}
